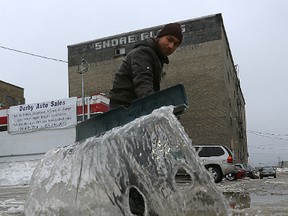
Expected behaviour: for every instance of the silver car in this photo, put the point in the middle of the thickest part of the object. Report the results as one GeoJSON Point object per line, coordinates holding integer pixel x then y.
{"type": "Point", "coordinates": [217, 159]}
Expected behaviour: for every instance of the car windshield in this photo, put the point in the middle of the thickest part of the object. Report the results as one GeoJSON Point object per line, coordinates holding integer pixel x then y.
{"type": "Point", "coordinates": [267, 169]}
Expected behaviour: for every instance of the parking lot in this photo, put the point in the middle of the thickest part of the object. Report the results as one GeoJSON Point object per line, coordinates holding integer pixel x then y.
{"type": "Point", "coordinates": [267, 196]}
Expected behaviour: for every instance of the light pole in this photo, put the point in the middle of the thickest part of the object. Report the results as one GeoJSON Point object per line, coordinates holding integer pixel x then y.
{"type": "Point", "coordinates": [83, 68]}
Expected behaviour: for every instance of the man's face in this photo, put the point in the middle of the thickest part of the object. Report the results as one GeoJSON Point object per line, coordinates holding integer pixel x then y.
{"type": "Point", "coordinates": [168, 44]}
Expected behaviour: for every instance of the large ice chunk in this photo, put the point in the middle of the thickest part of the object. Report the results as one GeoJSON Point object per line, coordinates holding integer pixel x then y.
{"type": "Point", "coordinates": [130, 170]}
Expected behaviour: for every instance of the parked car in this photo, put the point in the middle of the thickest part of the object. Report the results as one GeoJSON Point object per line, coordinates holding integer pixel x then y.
{"type": "Point", "coordinates": [217, 159]}
{"type": "Point", "coordinates": [267, 171]}
{"type": "Point", "coordinates": [240, 173]}
{"type": "Point", "coordinates": [251, 173]}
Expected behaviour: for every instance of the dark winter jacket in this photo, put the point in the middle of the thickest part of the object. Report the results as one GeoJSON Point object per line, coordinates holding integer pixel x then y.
{"type": "Point", "coordinates": [139, 74]}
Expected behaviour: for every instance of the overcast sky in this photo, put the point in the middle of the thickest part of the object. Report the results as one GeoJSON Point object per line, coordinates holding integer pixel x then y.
{"type": "Point", "coordinates": [257, 32]}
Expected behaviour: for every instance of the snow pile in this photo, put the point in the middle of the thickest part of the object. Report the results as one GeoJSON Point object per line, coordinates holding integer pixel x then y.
{"type": "Point", "coordinates": [282, 170]}
{"type": "Point", "coordinates": [17, 173]}
{"type": "Point", "coordinates": [18, 210]}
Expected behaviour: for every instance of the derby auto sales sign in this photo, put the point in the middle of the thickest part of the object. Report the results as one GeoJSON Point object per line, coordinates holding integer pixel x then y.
{"type": "Point", "coordinates": [44, 115]}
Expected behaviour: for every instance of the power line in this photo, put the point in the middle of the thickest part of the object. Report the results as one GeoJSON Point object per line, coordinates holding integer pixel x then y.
{"type": "Point", "coordinates": [273, 134]}
{"type": "Point", "coordinates": [267, 148]}
{"type": "Point", "coordinates": [32, 54]}
{"type": "Point", "coordinates": [269, 135]}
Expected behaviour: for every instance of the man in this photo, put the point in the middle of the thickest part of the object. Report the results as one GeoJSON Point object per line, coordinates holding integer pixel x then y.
{"type": "Point", "coordinates": [140, 73]}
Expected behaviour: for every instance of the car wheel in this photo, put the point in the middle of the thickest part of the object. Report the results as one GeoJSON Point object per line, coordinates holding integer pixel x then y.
{"type": "Point", "coordinates": [261, 177]}
{"type": "Point", "coordinates": [216, 173]}
{"type": "Point", "coordinates": [274, 176]}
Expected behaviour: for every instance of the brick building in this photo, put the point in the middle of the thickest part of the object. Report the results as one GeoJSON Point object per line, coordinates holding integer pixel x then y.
{"type": "Point", "coordinates": [203, 63]}
{"type": "Point", "coordinates": [10, 95]}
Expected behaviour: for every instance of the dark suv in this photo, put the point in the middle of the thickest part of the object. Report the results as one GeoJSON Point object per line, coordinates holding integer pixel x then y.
{"type": "Point", "coordinates": [217, 159]}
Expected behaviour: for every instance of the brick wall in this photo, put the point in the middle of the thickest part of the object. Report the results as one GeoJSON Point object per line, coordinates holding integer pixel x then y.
{"type": "Point", "coordinates": [11, 95]}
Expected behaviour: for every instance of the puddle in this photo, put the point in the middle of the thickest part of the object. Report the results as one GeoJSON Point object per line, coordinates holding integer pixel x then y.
{"type": "Point", "coordinates": [243, 200]}
{"type": "Point", "coordinates": [268, 198]}
{"type": "Point", "coordinates": [238, 200]}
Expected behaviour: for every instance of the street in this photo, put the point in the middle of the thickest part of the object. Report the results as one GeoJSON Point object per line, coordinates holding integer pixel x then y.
{"type": "Point", "coordinates": [268, 196]}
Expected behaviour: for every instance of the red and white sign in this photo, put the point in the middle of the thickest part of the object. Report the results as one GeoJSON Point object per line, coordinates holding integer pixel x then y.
{"type": "Point", "coordinates": [93, 105]}
{"type": "Point", "coordinates": [3, 117]}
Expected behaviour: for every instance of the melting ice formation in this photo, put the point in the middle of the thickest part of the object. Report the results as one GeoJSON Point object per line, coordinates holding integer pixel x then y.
{"type": "Point", "coordinates": [130, 170]}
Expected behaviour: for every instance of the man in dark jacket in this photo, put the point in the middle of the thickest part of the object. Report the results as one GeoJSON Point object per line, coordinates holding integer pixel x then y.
{"type": "Point", "coordinates": [140, 72]}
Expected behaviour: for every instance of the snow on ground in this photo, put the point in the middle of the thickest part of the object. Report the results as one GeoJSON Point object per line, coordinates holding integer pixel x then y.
{"type": "Point", "coordinates": [17, 173]}
{"type": "Point", "coordinates": [285, 169]}
{"type": "Point", "coordinates": [17, 210]}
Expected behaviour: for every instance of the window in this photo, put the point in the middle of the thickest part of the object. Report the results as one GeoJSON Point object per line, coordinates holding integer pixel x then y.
{"type": "Point", "coordinates": [210, 151]}
{"type": "Point", "coordinates": [120, 51]}
{"type": "Point", "coordinates": [10, 101]}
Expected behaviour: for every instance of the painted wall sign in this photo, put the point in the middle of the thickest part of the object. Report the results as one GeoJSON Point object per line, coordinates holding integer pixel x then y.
{"type": "Point", "coordinates": [44, 115]}
{"type": "Point", "coordinates": [126, 39]}
{"type": "Point", "coordinates": [116, 41]}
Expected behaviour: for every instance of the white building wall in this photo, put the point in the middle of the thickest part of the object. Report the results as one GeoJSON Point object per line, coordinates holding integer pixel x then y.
{"type": "Point", "coordinates": [33, 145]}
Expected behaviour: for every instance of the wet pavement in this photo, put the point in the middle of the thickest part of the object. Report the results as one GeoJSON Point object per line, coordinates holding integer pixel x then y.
{"type": "Point", "coordinates": [268, 196]}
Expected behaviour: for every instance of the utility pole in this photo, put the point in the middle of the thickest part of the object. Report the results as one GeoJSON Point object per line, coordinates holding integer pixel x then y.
{"type": "Point", "coordinates": [81, 70]}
